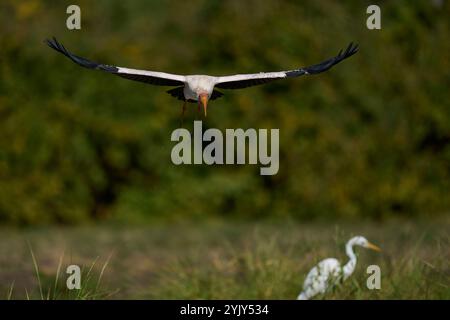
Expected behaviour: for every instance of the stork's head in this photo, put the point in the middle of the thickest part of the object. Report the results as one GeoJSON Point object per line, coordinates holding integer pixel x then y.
{"type": "Point", "coordinates": [363, 242]}
{"type": "Point", "coordinates": [203, 100]}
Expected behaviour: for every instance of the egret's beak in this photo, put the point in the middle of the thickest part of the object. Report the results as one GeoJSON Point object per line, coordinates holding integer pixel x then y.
{"type": "Point", "coordinates": [373, 247]}
{"type": "Point", "coordinates": [204, 102]}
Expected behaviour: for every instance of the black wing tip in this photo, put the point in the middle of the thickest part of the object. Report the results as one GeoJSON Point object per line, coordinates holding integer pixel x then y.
{"type": "Point", "coordinates": [50, 43]}
{"type": "Point", "coordinates": [327, 64]}
{"type": "Point", "coordinates": [352, 48]}
{"type": "Point", "coordinates": [54, 44]}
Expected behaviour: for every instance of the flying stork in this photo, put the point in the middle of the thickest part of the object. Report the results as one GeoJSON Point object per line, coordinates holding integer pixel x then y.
{"type": "Point", "coordinates": [201, 88]}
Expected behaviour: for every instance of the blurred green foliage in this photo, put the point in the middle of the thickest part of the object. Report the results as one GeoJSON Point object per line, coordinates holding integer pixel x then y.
{"type": "Point", "coordinates": [370, 138]}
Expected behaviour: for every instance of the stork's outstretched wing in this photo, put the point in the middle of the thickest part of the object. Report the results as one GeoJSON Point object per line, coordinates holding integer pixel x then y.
{"type": "Point", "coordinates": [150, 77]}
{"type": "Point", "coordinates": [239, 81]}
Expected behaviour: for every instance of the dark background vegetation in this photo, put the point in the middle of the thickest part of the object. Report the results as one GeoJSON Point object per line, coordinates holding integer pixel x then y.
{"type": "Point", "coordinates": [368, 139]}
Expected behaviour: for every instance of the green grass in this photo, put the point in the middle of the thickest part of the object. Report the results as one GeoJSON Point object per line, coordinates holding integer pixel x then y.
{"type": "Point", "coordinates": [54, 289]}
{"type": "Point", "coordinates": [221, 260]}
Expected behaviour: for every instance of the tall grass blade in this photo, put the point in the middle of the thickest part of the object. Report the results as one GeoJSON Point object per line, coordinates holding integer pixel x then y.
{"type": "Point", "coordinates": [36, 269]}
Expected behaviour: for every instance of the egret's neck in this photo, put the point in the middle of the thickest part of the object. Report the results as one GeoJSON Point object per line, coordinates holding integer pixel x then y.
{"type": "Point", "coordinates": [351, 264]}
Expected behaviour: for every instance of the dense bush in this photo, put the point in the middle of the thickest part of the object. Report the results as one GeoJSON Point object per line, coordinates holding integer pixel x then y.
{"type": "Point", "coordinates": [370, 138]}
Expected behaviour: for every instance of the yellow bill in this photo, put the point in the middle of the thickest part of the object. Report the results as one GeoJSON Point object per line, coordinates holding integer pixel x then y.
{"type": "Point", "coordinates": [373, 247]}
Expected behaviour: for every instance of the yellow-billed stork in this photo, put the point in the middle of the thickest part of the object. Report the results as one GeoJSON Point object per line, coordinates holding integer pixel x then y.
{"type": "Point", "coordinates": [201, 88]}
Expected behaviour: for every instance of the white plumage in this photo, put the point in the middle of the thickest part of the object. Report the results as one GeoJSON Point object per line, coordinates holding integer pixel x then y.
{"type": "Point", "coordinates": [201, 88]}
{"type": "Point", "coordinates": [329, 272]}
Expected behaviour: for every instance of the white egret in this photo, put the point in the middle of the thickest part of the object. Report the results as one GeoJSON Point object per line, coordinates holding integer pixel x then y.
{"type": "Point", "coordinates": [201, 88]}
{"type": "Point", "coordinates": [329, 272]}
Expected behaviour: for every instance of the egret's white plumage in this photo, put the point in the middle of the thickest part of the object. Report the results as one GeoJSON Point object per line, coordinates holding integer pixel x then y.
{"type": "Point", "coordinates": [329, 272]}
{"type": "Point", "coordinates": [201, 88]}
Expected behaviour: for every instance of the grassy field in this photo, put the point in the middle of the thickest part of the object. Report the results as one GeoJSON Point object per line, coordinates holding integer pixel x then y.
{"type": "Point", "coordinates": [217, 260]}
